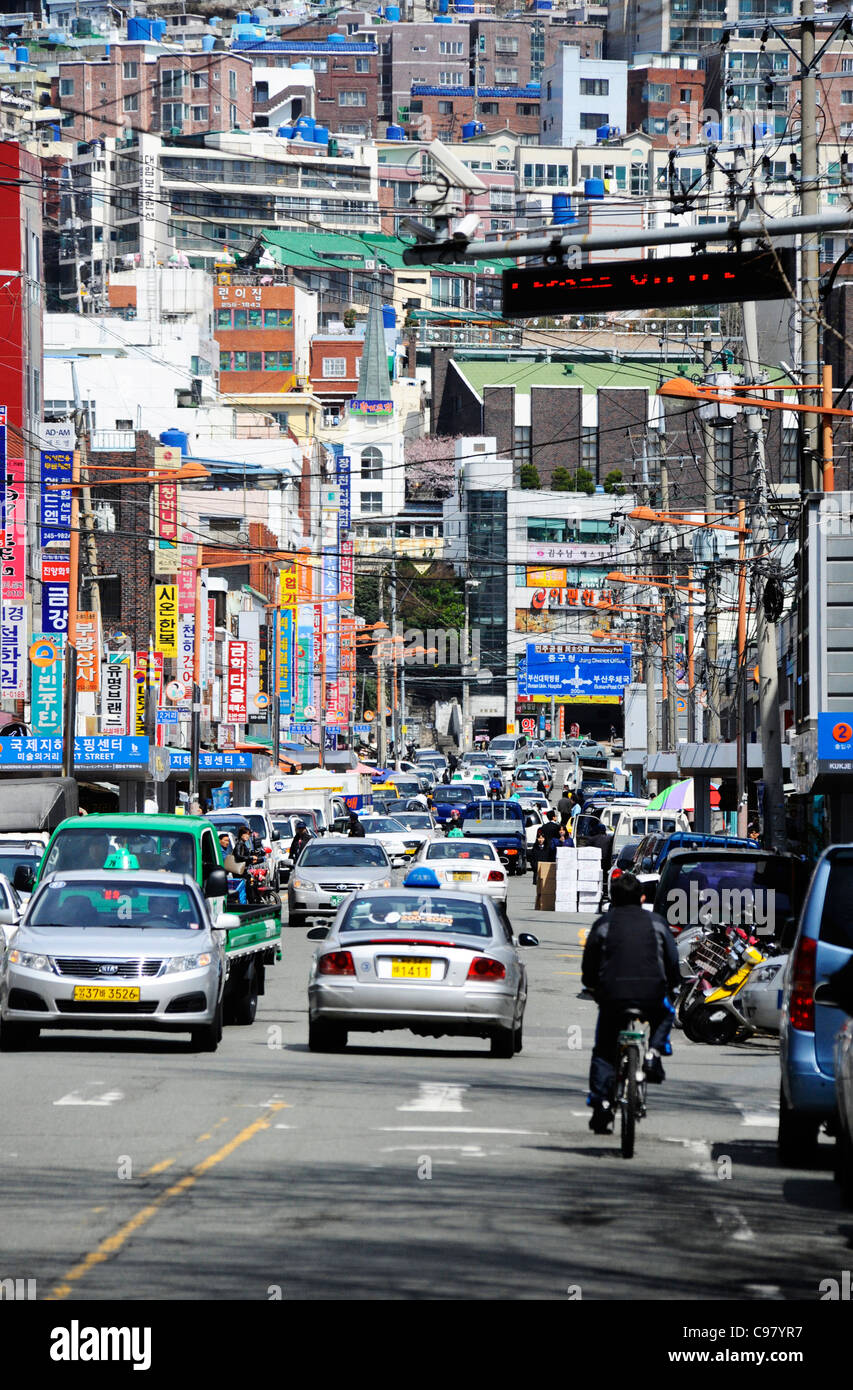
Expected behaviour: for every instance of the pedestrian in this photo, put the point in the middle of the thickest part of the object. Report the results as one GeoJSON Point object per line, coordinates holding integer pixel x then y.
{"type": "Point", "coordinates": [356, 829]}
{"type": "Point", "coordinates": [452, 761]}
{"type": "Point", "coordinates": [551, 828]}
{"type": "Point", "coordinates": [564, 808]}
{"type": "Point", "coordinates": [538, 852]}
{"type": "Point", "coordinates": [235, 868]}
{"type": "Point", "coordinates": [541, 787]}
{"type": "Point", "coordinates": [299, 841]}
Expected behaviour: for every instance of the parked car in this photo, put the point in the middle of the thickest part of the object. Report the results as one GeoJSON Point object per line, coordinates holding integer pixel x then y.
{"type": "Point", "coordinates": [810, 1018]}
{"type": "Point", "coordinates": [760, 888]}
{"type": "Point", "coordinates": [631, 822]}
{"type": "Point", "coordinates": [328, 870]}
{"type": "Point", "coordinates": [472, 866]}
{"type": "Point", "coordinates": [591, 752]}
{"type": "Point", "coordinates": [22, 852]}
{"type": "Point", "coordinates": [761, 996]}
{"type": "Point", "coordinates": [659, 843]}
{"type": "Point", "coordinates": [843, 993]}
{"type": "Point", "coordinates": [110, 949]}
{"type": "Point", "coordinates": [621, 863]}
{"type": "Point", "coordinates": [377, 969]}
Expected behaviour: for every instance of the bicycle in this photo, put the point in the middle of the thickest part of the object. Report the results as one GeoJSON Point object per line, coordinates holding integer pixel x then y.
{"type": "Point", "coordinates": [629, 1089]}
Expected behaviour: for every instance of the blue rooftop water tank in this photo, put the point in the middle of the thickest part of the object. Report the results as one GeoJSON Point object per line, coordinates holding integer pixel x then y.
{"type": "Point", "coordinates": [286, 132]}
{"type": "Point", "coordinates": [214, 20]}
{"type": "Point", "coordinates": [336, 38]}
{"type": "Point", "coordinates": [175, 439]}
{"type": "Point", "coordinates": [472, 128]}
{"type": "Point", "coordinates": [22, 55]}
{"type": "Point", "coordinates": [593, 188]}
{"type": "Point", "coordinates": [395, 132]}
{"type": "Point", "coordinates": [158, 29]}
{"type": "Point", "coordinates": [443, 6]}
{"type": "Point", "coordinates": [207, 42]}
{"type": "Point", "coordinates": [55, 36]}
{"type": "Point", "coordinates": [243, 17]}
{"type": "Point", "coordinates": [320, 135]}
{"type": "Point", "coordinates": [392, 14]}
{"type": "Point", "coordinates": [261, 15]}
{"type": "Point", "coordinates": [139, 29]}
{"type": "Point", "coordinates": [442, 19]}
{"type": "Point", "coordinates": [562, 210]}
{"type": "Point", "coordinates": [389, 316]}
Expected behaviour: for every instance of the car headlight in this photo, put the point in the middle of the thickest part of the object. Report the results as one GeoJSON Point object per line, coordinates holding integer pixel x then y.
{"type": "Point", "coordinates": [304, 883]}
{"type": "Point", "coordinates": [386, 883]}
{"type": "Point", "coordinates": [764, 973]}
{"type": "Point", "coordinates": [177, 964]}
{"type": "Point", "coordinates": [29, 960]}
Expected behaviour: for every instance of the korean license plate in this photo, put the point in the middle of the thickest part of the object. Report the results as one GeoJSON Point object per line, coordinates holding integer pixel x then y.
{"type": "Point", "coordinates": [457, 877]}
{"type": "Point", "coordinates": [411, 969]}
{"type": "Point", "coordinates": [335, 899]}
{"type": "Point", "coordinates": [103, 994]}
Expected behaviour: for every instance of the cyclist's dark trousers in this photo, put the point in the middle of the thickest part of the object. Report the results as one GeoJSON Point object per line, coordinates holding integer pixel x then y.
{"type": "Point", "coordinates": [606, 1046]}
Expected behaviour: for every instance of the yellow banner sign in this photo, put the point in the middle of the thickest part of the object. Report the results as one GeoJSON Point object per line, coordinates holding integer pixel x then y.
{"type": "Point", "coordinates": [166, 618]}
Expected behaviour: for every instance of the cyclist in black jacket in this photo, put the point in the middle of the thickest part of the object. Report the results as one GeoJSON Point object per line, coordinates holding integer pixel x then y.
{"type": "Point", "coordinates": [629, 961]}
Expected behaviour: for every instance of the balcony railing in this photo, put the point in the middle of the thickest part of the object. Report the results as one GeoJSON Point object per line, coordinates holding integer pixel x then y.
{"type": "Point", "coordinates": [113, 441]}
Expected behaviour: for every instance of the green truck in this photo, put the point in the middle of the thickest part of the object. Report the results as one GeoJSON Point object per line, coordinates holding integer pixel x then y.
{"type": "Point", "coordinates": [178, 844]}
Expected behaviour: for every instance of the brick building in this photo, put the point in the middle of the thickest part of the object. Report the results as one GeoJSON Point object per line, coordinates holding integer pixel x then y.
{"type": "Point", "coordinates": [346, 75]}
{"type": "Point", "coordinates": [442, 111]}
{"type": "Point", "coordinates": [137, 87]}
{"type": "Point", "coordinates": [513, 52]}
{"type": "Point", "coordinates": [334, 368]}
{"type": "Point", "coordinates": [578, 413]}
{"type": "Point", "coordinates": [659, 89]}
{"type": "Point", "coordinates": [254, 326]}
{"type": "Point", "coordinates": [122, 529]}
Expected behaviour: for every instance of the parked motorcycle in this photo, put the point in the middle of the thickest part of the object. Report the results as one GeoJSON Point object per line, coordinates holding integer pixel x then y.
{"type": "Point", "coordinates": [720, 963]}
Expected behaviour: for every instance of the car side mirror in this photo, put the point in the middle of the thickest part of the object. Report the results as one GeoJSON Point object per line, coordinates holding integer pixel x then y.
{"type": "Point", "coordinates": [226, 921]}
{"type": "Point", "coordinates": [24, 878]}
{"type": "Point", "coordinates": [216, 884]}
{"type": "Point", "coordinates": [275, 836]}
{"type": "Point", "coordinates": [317, 933]}
{"type": "Point", "coordinates": [8, 917]}
{"type": "Point", "coordinates": [527, 938]}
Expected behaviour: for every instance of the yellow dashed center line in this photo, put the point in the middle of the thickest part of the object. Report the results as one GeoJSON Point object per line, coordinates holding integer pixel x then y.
{"type": "Point", "coordinates": [159, 1167]}
{"type": "Point", "coordinates": [112, 1244]}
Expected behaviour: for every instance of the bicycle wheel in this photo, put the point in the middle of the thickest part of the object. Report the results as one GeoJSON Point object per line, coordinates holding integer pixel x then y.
{"type": "Point", "coordinates": [630, 1099]}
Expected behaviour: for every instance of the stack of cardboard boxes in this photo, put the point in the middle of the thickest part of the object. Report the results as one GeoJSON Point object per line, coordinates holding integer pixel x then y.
{"type": "Point", "coordinates": [572, 884]}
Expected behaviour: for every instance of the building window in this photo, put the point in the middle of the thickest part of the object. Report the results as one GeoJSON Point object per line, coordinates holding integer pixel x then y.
{"type": "Point", "coordinates": [201, 113]}
{"type": "Point", "coordinates": [521, 446]}
{"type": "Point", "coordinates": [686, 94]}
{"type": "Point", "coordinates": [724, 453]}
{"type": "Point", "coordinates": [223, 318]}
{"type": "Point", "coordinates": [655, 91]}
{"type": "Point", "coordinates": [241, 318]}
{"type": "Point", "coordinates": [278, 318]}
{"type": "Point", "coordinates": [506, 77]}
{"type": "Point", "coordinates": [591, 120]}
{"type": "Point", "coordinates": [352, 98]}
{"type": "Point", "coordinates": [505, 44]}
{"type": "Point", "coordinates": [278, 361]}
{"type": "Point", "coordinates": [131, 102]}
{"type": "Point", "coordinates": [110, 594]}
{"type": "Point", "coordinates": [526, 108]}
{"type": "Point", "coordinates": [335, 367]}
{"type": "Point", "coordinates": [240, 362]}
{"type": "Point", "coordinates": [232, 82]}
{"type": "Point", "coordinates": [232, 116]}
{"type": "Point", "coordinates": [489, 108]}
{"type": "Point", "coordinates": [281, 419]}
{"type": "Point", "coordinates": [129, 71]}
{"type": "Point", "coordinates": [589, 448]}
{"type": "Point", "coordinates": [172, 116]}
{"type": "Point", "coordinates": [445, 108]}
{"type": "Point", "coordinates": [66, 87]}
{"type": "Point", "coordinates": [371, 463]}
{"type": "Point", "coordinates": [847, 96]}
{"type": "Point", "coordinates": [256, 361]}
{"type": "Point", "coordinates": [171, 83]}
{"type": "Point", "coordinates": [362, 65]}
{"type": "Point", "coordinates": [451, 79]}
{"type": "Point", "coordinates": [790, 455]}
{"type": "Point", "coordinates": [225, 361]}
{"type": "Point", "coordinates": [600, 87]}
{"type": "Point", "coordinates": [199, 80]}
{"type": "Point", "coordinates": [639, 180]}
{"type": "Point", "coordinates": [450, 48]}
{"type": "Point", "coordinates": [371, 501]}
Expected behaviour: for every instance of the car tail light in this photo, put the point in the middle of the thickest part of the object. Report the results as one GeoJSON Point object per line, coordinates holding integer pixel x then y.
{"type": "Point", "coordinates": [801, 1005]}
{"type": "Point", "coordinates": [512, 851]}
{"type": "Point", "coordinates": [615, 873]}
{"type": "Point", "coordinates": [336, 963]}
{"type": "Point", "coordinates": [484, 968]}
{"type": "Point", "coordinates": [496, 876]}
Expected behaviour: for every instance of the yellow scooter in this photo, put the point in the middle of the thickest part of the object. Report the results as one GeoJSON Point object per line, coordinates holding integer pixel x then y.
{"type": "Point", "coordinates": [711, 1014]}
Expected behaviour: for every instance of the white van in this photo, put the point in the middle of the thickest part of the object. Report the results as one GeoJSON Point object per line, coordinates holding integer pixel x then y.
{"type": "Point", "coordinates": [509, 750]}
{"type": "Point", "coordinates": [633, 822]}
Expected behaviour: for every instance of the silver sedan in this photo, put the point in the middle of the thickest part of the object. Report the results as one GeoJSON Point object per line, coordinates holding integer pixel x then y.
{"type": "Point", "coordinates": [430, 960]}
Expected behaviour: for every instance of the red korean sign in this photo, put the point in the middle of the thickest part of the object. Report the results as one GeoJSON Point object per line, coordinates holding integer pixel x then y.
{"type": "Point", "coordinates": [88, 645]}
{"type": "Point", "coordinates": [187, 576]}
{"type": "Point", "coordinates": [238, 675]}
{"type": "Point", "coordinates": [572, 598]}
{"type": "Point", "coordinates": [347, 567]}
{"type": "Point", "coordinates": [55, 571]}
{"type": "Point", "coordinates": [347, 649]}
{"type": "Point", "coordinates": [15, 547]}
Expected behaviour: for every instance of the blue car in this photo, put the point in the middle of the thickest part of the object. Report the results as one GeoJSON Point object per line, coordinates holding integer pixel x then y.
{"type": "Point", "coordinates": [454, 796]}
{"type": "Point", "coordinates": [811, 1018]}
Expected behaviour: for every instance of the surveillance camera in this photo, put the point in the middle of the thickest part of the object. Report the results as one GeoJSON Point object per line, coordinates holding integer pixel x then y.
{"type": "Point", "coordinates": [467, 226]}
{"type": "Point", "coordinates": [458, 173]}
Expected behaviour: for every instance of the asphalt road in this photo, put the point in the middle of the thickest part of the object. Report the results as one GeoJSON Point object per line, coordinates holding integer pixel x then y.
{"type": "Point", "coordinates": [402, 1168]}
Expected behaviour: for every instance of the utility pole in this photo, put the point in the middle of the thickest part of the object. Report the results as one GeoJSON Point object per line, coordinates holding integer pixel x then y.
{"type": "Point", "coordinates": [81, 426]}
{"type": "Point", "coordinates": [671, 734]}
{"type": "Point", "coordinates": [382, 731]}
{"type": "Point", "coordinates": [810, 256]}
{"type": "Point", "coordinates": [395, 707]}
{"type": "Point", "coordinates": [651, 695]}
{"type": "Point", "coordinates": [712, 673]}
{"type": "Point", "coordinates": [742, 818]}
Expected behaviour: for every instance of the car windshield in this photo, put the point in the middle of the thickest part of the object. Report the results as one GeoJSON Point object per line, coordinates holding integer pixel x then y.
{"type": "Point", "coordinates": [413, 821]}
{"type": "Point", "coordinates": [836, 926]}
{"type": "Point", "coordinates": [420, 911]}
{"type": "Point", "coordinates": [10, 861]}
{"type": "Point", "coordinates": [119, 902]}
{"type": "Point", "coordinates": [100, 848]}
{"type": "Point", "coordinates": [502, 745]}
{"type": "Point", "coordinates": [381, 825]}
{"type": "Point", "coordinates": [495, 810]}
{"type": "Point", "coordinates": [459, 849]}
{"type": "Point", "coordinates": [354, 856]}
{"type": "Point", "coordinates": [454, 793]}
{"type": "Point", "coordinates": [257, 823]}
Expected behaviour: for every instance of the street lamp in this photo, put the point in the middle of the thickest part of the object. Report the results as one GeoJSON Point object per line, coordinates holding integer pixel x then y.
{"type": "Point", "coordinates": [466, 665]}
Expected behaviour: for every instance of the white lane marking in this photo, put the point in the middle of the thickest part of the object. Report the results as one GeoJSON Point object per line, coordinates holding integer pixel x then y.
{"type": "Point", "coordinates": [467, 1150]}
{"type": "Point", "coordinates": [454, 1129]}
{"type": "Point", "coordinates": [707, 1170]}
{"type": "Point", "coordinates": [763, 1290]}
{"type": "Point", "coordinates": [91, 1094]}
{"type": "Point", "coordinates": [734, 1216]}
{"type": "Point", "coordinates": [760, 1121]}
{"type": "Point", "coordinates": [436, 1095]}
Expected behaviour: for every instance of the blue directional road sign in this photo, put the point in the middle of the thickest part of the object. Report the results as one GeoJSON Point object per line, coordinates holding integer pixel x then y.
{"type": "Point", "coordinates": [582, 669]}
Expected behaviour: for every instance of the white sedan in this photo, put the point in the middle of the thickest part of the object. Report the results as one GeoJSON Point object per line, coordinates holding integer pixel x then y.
{"type": "Point", "coordinates": [471, 866]}
{"type": "Point", "coordinates": [399, 843]}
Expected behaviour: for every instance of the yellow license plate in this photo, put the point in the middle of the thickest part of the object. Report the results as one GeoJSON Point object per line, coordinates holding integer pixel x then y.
{"type": "Point", "coordinates": [103, 994]}
{"type": "Point", "coordinates": [411, 969]}
{"type": "Point", "coordinates": [457, 877]}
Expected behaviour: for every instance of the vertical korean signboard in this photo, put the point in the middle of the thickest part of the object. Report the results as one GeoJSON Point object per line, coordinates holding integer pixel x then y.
{"type": "Point", "coordinates": [166, 619]}
{"type": "Point", "coordinates": [117, 681]}
{"type": "Point", "coordinates": [46, 664]}
{"type": "Point", "coordinates": [186, 656]}
{"type": "Point", "coordinates": [14, 621]}
{"type": "Point", "coordinates": [88, 653]}
{"type": "Point", "coordinates": [2, 474]}
{"type": "Point", "coordinates": [289, 582]}
{"type": "Point", "coordinates": [187, 574]}
{"type": "Point", "coordinates": [236, 712]}
{"type": "Point", "coordinates": [57, 442]}
{"type": "Point", "coordinates": [167, 551]}
{"type": "Point", "coordinates": [55, 575]}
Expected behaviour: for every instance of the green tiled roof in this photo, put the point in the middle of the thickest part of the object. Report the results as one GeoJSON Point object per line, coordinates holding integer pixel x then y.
{"type": "Point", "coordinates": [590, 375]}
